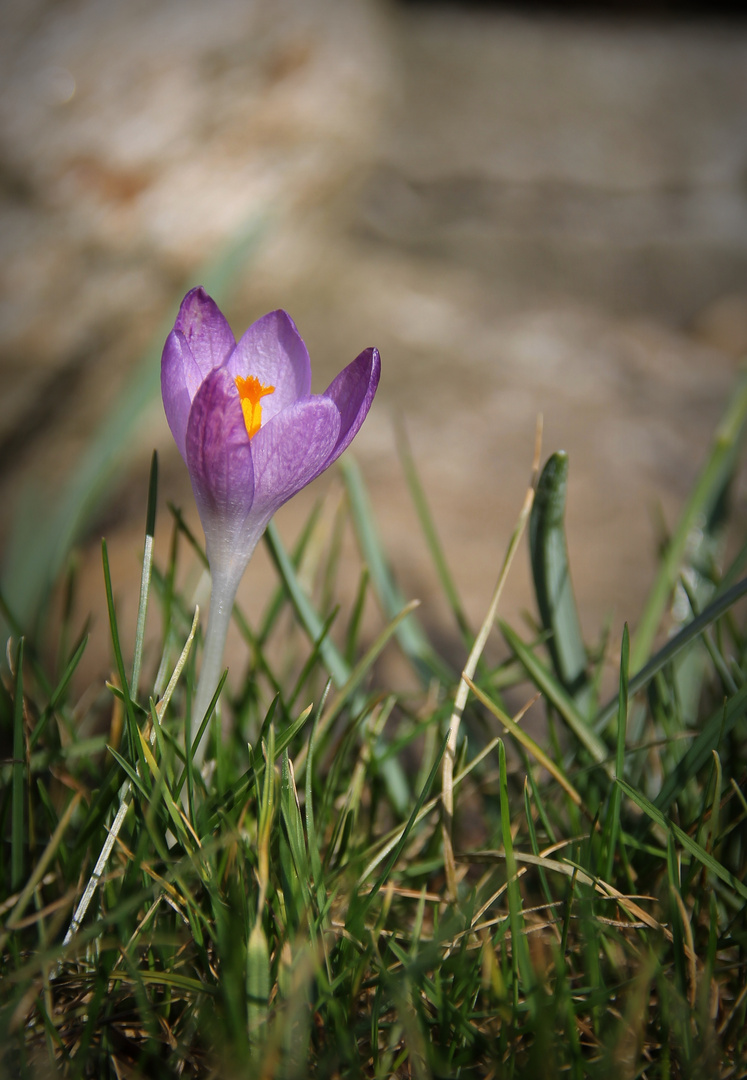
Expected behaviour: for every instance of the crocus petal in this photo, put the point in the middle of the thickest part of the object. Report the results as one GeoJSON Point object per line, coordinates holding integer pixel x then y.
{"type": "Point", "coordinates": [291, 450]}
{"type": "Point", "coordinates": [219, 459]}
{"type": "Point", "coordinates": [205, 329]}
{"type": "Point", "coordinates": [180, 381]}
{"type": "Point", "coordinates": [273, 351]}
{"type": "Point", "coordinates": [352, 392]}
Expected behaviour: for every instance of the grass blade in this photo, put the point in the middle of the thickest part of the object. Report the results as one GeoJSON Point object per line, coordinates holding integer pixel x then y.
{"type": "Point", "coordinates": [556, 694]}
{"type": "Point", "coordinates": [716, 728]}
{"type": "Point", "coordinates": [359, 672]}
{"type": "Point", "coordinates": [39, 869]}
{"type": "Point", "coordinates": [431, 535]}
{"type": "Point", "coordinates": [552, 580]}
{"type": "Point", "coordinates": [19, 774]}
{"type": "Point", "coordinates": [132, 729]}
{"type": "Point", "coordinates": [519, 949]}
{"type": "Point", "coordinates": [718, 607]}
{"type": "Point", "coordinates": [58, 693]}
{"type": "Point", "coordinates": [612, 820]}
{"type": "Point", "coordinates": [399, 846]}
{"type": "Point", "coordinates": [462, 690]}
{"type": "Point", "coordinates": [257, 979]}
{"type": "Point", "coordinates": [410, 634]}
{"type": "Point", "coordinates": [707, 860]}
{"type": "Point", "coordinates": [707, 490]}
{"type": "Point", "coordinates": [150, 529]}
{"type": "Point", "coordinates": [310, 619]}
{"type": "Point", "coordinates": [526, 740]}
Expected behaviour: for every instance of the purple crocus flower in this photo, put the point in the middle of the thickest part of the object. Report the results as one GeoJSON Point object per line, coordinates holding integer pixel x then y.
{"type": "Point", "coordinates": [252, 435]}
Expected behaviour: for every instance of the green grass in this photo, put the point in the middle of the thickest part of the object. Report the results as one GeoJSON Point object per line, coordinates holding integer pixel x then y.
{"type": "Point", "coordinates": [309, 909]}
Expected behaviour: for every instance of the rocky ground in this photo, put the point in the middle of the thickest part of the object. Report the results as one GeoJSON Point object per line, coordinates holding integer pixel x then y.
{"type": "Point", "coordinates": [525, 215]}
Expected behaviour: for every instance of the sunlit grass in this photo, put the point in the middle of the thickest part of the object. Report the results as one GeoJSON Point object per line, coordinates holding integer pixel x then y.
{"type": "Point", "coordinates": [366, 884]}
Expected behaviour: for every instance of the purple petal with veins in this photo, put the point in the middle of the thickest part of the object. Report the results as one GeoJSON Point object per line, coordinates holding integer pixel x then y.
{"type": "Point", "coordinates": [291, 450]}
{"type": "Point", "coordinates": [273, 351]}
{"type": "Point", "coordinates": [219, 459]}
{"type": "Point", "coordinates": [205, 330]}
{"type": "Point", "coordinates": [352, 392]}
{"type": "Point", "coordinates": [181, 378]}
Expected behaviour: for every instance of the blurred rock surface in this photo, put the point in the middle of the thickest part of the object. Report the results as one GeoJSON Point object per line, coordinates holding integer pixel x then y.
{"type": "Point", "coordinates": [602, 159]}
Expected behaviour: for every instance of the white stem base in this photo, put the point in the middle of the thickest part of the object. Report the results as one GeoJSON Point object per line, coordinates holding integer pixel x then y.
{"type": "Point", "coordinates": [222, 597]}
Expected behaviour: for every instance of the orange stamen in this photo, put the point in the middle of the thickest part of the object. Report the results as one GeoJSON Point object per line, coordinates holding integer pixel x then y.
{"type": "Point", "coordinates": [250, 391]}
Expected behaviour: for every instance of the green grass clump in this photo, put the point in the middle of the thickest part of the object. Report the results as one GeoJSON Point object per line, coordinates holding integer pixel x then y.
{"type": "Point", "coordinates": [373, 884]}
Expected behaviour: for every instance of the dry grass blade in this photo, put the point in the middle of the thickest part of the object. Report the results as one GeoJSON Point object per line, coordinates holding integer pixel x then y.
{"type": "Point", "coordinates": [460, 700]}
{"type": "Point", "coordinates": [526, 740]}
{"type": "Point", "coordinates": [44, 860]}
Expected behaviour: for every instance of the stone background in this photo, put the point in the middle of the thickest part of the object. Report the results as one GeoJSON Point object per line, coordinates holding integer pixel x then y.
{"type": "Point", "coordinates": [525, 212]}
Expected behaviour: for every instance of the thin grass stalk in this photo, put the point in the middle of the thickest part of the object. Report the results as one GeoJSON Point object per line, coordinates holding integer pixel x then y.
{"type": "Point", "coordinates": [529, 744]}
{"type": "Point", "coordinates": [39, 870]}
{"type": "Point", "coordinates": [529, 782]}
{"type": "Point", "coordinates": [125, 799]}
{"type": "Point", "coordinates": [356, 676]}
{"type": "Point", "coordinates": [522, 968]}
{"type": "Point", "coordinates": [356, 617]}
{"type": "Point", "coordinates": [429, 531]}
{"type": "Point", "coordinates": [402, 839]}
{"type": "Point", "coordinates": [282, 593]}
{"type": "Point", "coordinates": [310, 619]}
{"type": "Point", "coordinates": [460, 700]}
{"type": "Point", "coordinates": [723, 601]}
{"type": "Point", "coordinates": [391, 839]}
{"type": "Point", "coordinates": [612, 823]}
{"type": "Point", "coordinates": [707, 860]}
{"type": "Point", "coordinates": [713, 833]}
{"type": "Point", "coordinates": [411, 636]}
{"type": "Point", "coordinates": [142, 611]}
{"type": "Point", "coordinates": [19, 771]}
{"type": "Point", "coordinates": [58, 694]}
{"type": "Point", "coordinates": [556, 693]}
{"type": "Point", "coordinates": [168, 606]}
{"type": "Point", "coordinates": [131, 723]}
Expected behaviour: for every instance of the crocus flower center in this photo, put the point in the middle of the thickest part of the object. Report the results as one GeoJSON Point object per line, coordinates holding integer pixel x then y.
{"type": "Point", "coordinates": [250, 391]}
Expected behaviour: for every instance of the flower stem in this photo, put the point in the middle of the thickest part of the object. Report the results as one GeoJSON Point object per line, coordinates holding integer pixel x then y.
{"type": "Point", "coordinates": [222, 596]}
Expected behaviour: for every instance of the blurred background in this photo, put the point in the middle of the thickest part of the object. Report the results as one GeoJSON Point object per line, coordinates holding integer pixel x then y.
{"type": "Point", "coordinates": [527, 208]}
